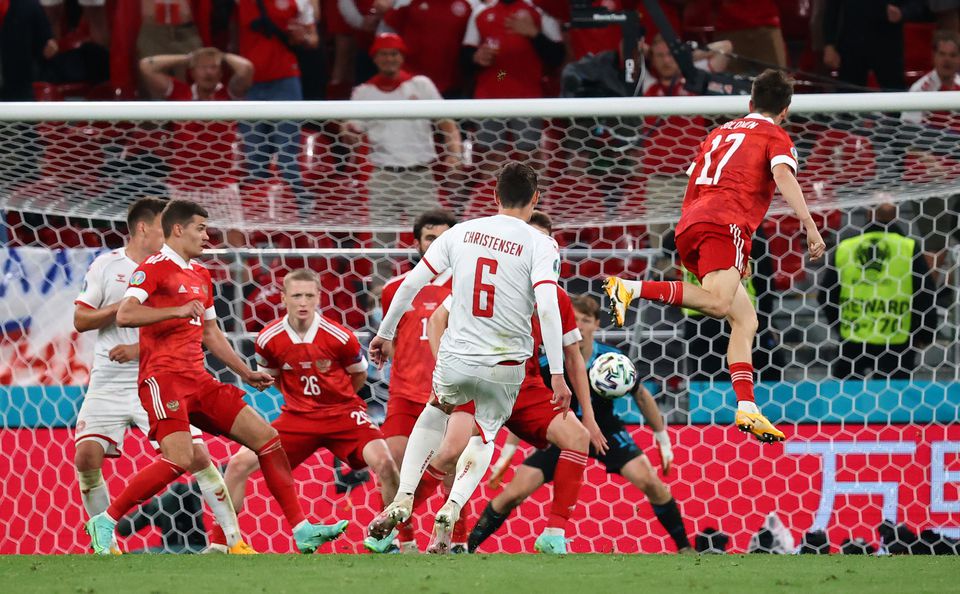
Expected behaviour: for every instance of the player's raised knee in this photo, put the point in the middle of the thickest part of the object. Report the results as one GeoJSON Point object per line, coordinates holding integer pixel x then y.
{"type": "Point", "coordinates": [244, 463]}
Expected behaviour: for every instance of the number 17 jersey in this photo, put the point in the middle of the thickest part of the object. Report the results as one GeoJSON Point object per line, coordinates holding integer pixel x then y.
{"type": "Point", "coordinates": [731, 180]}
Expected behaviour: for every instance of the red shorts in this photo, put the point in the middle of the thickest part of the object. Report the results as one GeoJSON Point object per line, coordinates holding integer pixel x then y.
{"type": "Point", "coordinates": [531, 417]}
{"type": "Point", "coordinates": [173, 402]}
{"type": "Point", "coordinates": [707, 247]}
{"type": "Point", "coordinates": [344, 435]}
{"type": "Point", "coordinates": [402, 414]}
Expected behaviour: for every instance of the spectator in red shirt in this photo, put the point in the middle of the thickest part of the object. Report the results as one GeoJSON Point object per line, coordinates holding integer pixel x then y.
{"type": "Point", "coordinates": [509, 43]}
{"type": "Point", "coordinates": [433, 31]}
{"type": "Point", "coordinates": [202, 159]}
{"type": "Point", "coordinates": [753, 26]}
{"type": "Point", "coordinates": [268, 31]}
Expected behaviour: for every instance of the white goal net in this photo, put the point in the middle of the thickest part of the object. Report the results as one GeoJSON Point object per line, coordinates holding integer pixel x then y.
{"type": "Point", "coordinates": [873, 433]}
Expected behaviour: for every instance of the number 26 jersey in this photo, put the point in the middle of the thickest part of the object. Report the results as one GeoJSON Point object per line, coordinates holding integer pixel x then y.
{"type": "Point", "coordinates": [313, 370]}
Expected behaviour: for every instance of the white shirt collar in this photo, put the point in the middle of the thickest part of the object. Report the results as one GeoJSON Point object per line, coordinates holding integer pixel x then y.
{"type": "Point", "coordinates": [758, 116]}
{"type": "Point", "coordinates": [311, 333]}
{"type": "Point", "coordinates": [169, 252]}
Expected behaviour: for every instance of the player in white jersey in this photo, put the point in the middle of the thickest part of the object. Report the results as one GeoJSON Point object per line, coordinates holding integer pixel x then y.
{"type": "Point", "coordinates": [111, 404]}
{"type": "Point", "coordinates": [501, 267]}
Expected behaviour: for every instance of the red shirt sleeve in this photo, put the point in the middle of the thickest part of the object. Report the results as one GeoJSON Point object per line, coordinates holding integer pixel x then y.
{"type": "Point", "coordinates": [351, 355]}
{"type": "Point", "coordinates": [266, 361]}
{"type": "Point", "coordinates": [780, 149]}
{"type": "Point", "coordinates": [144, 281]}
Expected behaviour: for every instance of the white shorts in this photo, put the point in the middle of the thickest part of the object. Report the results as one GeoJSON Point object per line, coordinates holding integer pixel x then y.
{"type": "Point", "coordinates": [105, 421]}
{"type": "Point", "coordinates": [493, 390]}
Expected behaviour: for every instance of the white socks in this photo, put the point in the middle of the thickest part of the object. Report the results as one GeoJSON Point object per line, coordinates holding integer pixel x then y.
{"type": "Point", "coordinates": [748, 407]}
{"type": "Point", "coordinates": [218, 499]}
{"type": "Point", "coordinates": [632, 286]}
{"type": "Point", "coordinates": [424, 442]}
{"type": "Point", "coordinates": [93, 492]}
{"type": "Point", "coordinates": [471, 467]}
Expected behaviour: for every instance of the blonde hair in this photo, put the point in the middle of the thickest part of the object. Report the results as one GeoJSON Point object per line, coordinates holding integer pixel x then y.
{"type": "Point", "coordinates": [300, 274]}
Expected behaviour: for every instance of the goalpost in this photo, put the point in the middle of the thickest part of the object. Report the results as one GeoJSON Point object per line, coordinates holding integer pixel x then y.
{"type": "Point", "coordinates": [859, 451]}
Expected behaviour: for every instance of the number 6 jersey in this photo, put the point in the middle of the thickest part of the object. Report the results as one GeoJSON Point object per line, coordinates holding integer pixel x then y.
{"type": "Point", "coordinates": [731, 180]}
{"type": "Point", "coordinates": [313, 370]}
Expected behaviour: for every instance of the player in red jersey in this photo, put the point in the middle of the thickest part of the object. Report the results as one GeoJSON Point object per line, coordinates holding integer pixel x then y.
{"type": "Point", "coordinates": [170, 298]}
{"type": "Point", "coordinates": [729, 192]}
{"type": "Point", "coordinates": [318, 366]}
{"type": "Point", "coordinates": [534, 419]}
{"type": "Point", "coordinates": [411, 372]}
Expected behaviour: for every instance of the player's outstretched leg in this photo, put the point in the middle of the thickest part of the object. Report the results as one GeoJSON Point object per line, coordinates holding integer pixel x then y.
{"type": "Point", "coordinates": [639, 472]}
{"type": "Point", "coordinates": [526, 480]}
{"type": "Point", "coordinates": [472, 465]}
{"type": "Point", "coordinates": [177, 451]}
{"type": "Point", "coordinates": [376, 454]}
{"type": "Point", "coordinates": [424, 441]}
{"type": "Point", "coordinates": [252, 431]}
{"type": "Point", "coordinates": [721, 296]}
{"type": "Point", "coordinates": [743, 330]}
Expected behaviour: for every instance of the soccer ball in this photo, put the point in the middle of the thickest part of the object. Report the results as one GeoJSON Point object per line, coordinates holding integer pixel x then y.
{"type": "Point", "coordinates": [612, 375]}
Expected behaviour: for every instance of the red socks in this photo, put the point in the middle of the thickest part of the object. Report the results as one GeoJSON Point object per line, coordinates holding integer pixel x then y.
{"type": "Point", "coordinates": [276, 472]}
{"type": "Point", "coordinates": [431, 479]}
{"type": "Point", "coordinates": [741, 375]}
{"type": "Point", "coordinates": [144, 485]}
{"type": "Point", "coordinates": [567, 478]}
{"type": "Point", "coordinates": [217, 536]}
{"type": "Point", "coordinates": [669, 292]}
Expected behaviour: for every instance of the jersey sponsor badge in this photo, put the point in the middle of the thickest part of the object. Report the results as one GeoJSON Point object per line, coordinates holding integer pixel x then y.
{"type": "Point", "coordinates": [196, 290]}
{"type": "Point", "coordinates": [287, 367]}
{"type": "Point", "coordinates": [182, 289]}
{"type": "Point", "coordinates": [138, 278]}
{"type": "Point", "coordinates": [323, 365]}
{"type": "Point", "coordinates": [793, 153]}
{"type": "Point", "coordinates": [121, 278]}
{"type": "Point", "coordinates": [173, 405]}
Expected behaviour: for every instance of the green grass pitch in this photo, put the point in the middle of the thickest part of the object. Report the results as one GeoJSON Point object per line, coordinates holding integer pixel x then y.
{"type": "Point", "coordinates": [578, 574]}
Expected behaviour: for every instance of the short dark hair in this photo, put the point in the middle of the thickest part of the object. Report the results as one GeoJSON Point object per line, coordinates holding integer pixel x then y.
{"type": "Point", "coordinates": [772, 92]}
{"type": "Point", "coordinates": [432, 218]}
{"type": "Point", "coordinates": [542, 219]}
{"type": "Point", "coordinates": [144, 210]}
{"type": "Point", "coordinates": [516, 185]}
{"type": "Point", "coordinates": [586, 305]}
{"type": "Point", "coordinates": [945, 36]}
{"type": "Point", "coordinates": [179, 212]}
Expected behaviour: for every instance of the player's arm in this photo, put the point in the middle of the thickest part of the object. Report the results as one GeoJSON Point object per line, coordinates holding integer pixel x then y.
{"type": "Point", "coordinates": [577, 373]}
{"type": "Point", "coordinates": [155, 71]}
{"type": "Point", "coordinates": [790, 188]}
{"type": "Point", "coordinates": [220, 347]}
{"type": "Point", "coordinates": [242, 77]}
{"type": "Point", "coordinates": [543, 277]}
{"type": "Point", "coordinates": [358, 379]}
{"type": "Point", "coordinates": [86, 318]}
{"type": "Point", "coordinates": [551, 331]}
{"type": "Point", "coordinates": [134, 314]}
{"type": "Point", "coordinates": [437, 325]}
{"type": "Point", "coordinates": [434, 262]}
{"type": "Point", "coordinates": [651, 413]}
